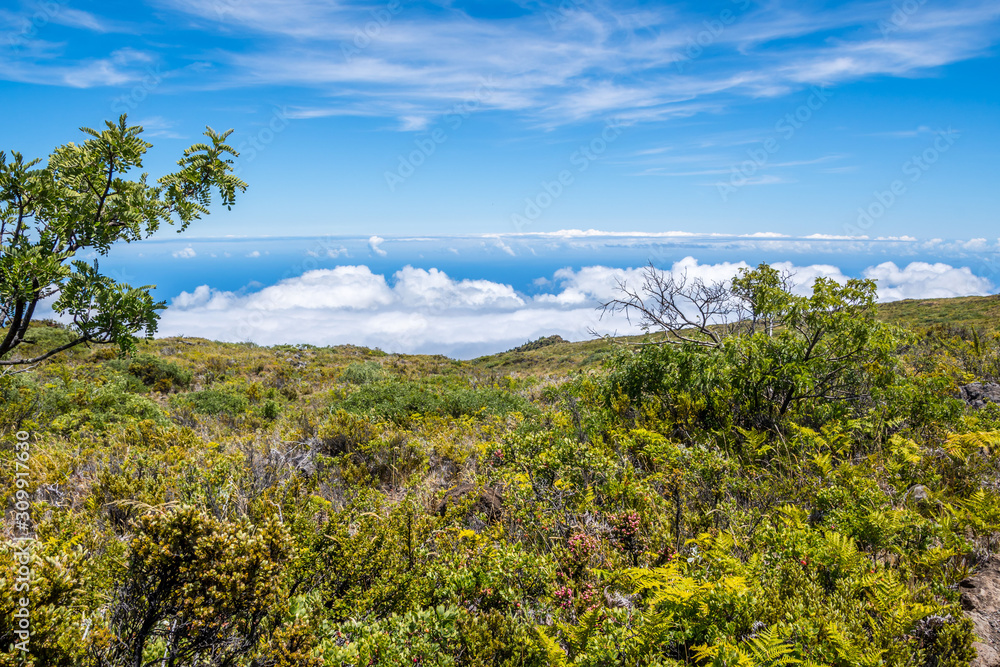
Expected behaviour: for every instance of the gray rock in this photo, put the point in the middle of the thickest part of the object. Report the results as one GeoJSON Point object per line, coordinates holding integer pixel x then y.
{"type": "Point", "coordinates": [918, 492]}
{"type": "Point", "coordinates": [927, 628]}
{"type": "Point", "coordinates": [981, 603]}
{"type": "Point", "coordinates": [978, 394]}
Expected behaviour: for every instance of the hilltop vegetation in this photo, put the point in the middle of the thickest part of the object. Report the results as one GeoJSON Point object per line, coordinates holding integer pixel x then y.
{"type": "Point", "coordinates": [201, 503]}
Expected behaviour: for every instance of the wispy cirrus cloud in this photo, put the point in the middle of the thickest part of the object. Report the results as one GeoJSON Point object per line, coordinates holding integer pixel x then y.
{"type": "Point", "coordinates": [552, 66]}
{"type": "Point", "coordinates": [121, 67]}
{"type": "Point", "coordinates": [84, 20]}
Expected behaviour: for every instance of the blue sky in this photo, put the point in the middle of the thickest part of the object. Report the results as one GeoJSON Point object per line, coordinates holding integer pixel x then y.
{"type": "Point", "coordinates": [397, 118]}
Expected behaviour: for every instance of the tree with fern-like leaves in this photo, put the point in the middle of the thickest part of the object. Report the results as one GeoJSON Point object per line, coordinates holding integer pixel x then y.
{"type": "Point", "coordinates": [85, 198]}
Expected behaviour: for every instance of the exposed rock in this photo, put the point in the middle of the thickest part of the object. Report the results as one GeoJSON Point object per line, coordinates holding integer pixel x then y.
{"type": "Point", "coordinates": [489, 501]}
{"type": "Point", "coordinates": [51, 494]}
{"type": "Point", "coordinates": [304, 461]}
{"type": "Point", "coordinates": [615, 599]}
{"type": "Point", "coordinates": [978, 394]}
{"type": "Point", "coordinates": [927, 628]}
{"type": "Point", "coordinates": [918, 492]}
{"type": "Point", "coordinates": [981, 602]}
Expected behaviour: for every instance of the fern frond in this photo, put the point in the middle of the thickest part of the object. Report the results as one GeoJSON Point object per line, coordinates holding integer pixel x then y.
{"type": "Point", "coordinates": [579, 635]}
{"type": "Point", "coordinates": [962, 445]}
{"type": "Point", "coordinates": [553, 652]}
{"type": "Point", "coordinates": [770, 648]}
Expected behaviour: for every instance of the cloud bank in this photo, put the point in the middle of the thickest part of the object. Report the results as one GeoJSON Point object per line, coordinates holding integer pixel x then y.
{"type": "Point", "coordinates": [426, 311]}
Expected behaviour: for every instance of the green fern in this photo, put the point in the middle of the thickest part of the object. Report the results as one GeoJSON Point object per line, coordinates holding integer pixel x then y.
{"type": "Point", "coordinates": [842, 549]}
{"type": "Point", "coordinates": [553, 652]}
{"type": "Point", "coordinates": [823, 464]}
{"type": "Point", "coordinates": [962, 445]}
{"type": "Point", "coordinates": [769, 649]}
{"type": "Point", "coordinates": [576, 638]}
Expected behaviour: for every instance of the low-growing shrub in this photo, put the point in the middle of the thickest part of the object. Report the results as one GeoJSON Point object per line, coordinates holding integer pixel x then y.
{"type": "Point", "coordinates": [364, 372]}
{"type": "Point", "coordinates": [195, 590]}
{"type": "Point", "coordinates": [399, 400]}
{"type": "Point", "coordinates": [214, 402]}
{"type": "Point", "coordinates": [156, 373]}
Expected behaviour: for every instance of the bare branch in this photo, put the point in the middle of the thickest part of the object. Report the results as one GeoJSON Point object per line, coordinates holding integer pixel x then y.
{"type": "Point", "coordinates": [689, 311]}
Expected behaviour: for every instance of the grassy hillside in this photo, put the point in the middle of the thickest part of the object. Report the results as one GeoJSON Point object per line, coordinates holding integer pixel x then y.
{"type": "Point", "coordinates": [918, 315]}
{"type": "Point", "coordinates": [580, 503]}
{"type": "Point", "coordinates": [982, 312]}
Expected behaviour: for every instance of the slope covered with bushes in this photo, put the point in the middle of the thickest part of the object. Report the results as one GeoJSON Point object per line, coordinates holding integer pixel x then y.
{"type": "Point", "coordinates": [214, 504]}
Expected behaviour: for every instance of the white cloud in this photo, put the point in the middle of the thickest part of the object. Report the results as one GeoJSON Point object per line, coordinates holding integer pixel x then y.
{"type": "Point", "coordinates": [76, 18]}
{"type": "Point", "coordinates": [121, 67]}
{"type": "Point", "coordinates": [374, 244]}
{"type": "Point", "coordinates": [158, 126]}
{"type": "Point", "coordinates": [329, 252]}
{"type": "Point", "coordinates": [424, 310]}
{"type": "Point", "coordinates": [200, 298]}
{"type": "Point", "coordinates": [504, 247]}
{"type": "Point", "coordinates": [920, 280]}
{"type": "Point", "coordinates": [185, 253]}
{"type": "Point", "coordinates": [420, 310]}
{"type": "Point", "coordinates": [599, 284]}
{"type": "Point", "coordinates": [419, 288]}
{"type": "Point", "coordinates": [414, 123]}
{"type": "Point", "coordinates": [581, 233]}
{"type": "Point", "coordinates": [591, 284]}
{"type": "Point", "coordinates": [803, 277]}
{"type": "Point", "coordinates": [904, 134]}
{"type": "Point", "coordinates": [254, 254]}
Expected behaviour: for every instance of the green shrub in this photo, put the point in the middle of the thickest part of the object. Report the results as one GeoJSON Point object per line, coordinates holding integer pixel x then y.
{"type": "Point", "coordinates": [72, 405]}
{"type": "Point", "coordinates": [214, 402]}
{"type": "Point", "coordinates": [57, 594]}
{"type": "Point", "coordinates": [45, 335]}
{"type": "Point", "coordinates": [398, 400]}
{"type": "Point", "coordinates": [217, 582]}
{"type": "Point", "coordinates": [154, 372]}
{"type": "Point", "coordinates": [364, 372]}
{"type": "Point", "coordinates": [270, 410]}
{"type": "Point", "coordinates": [373, 561]}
